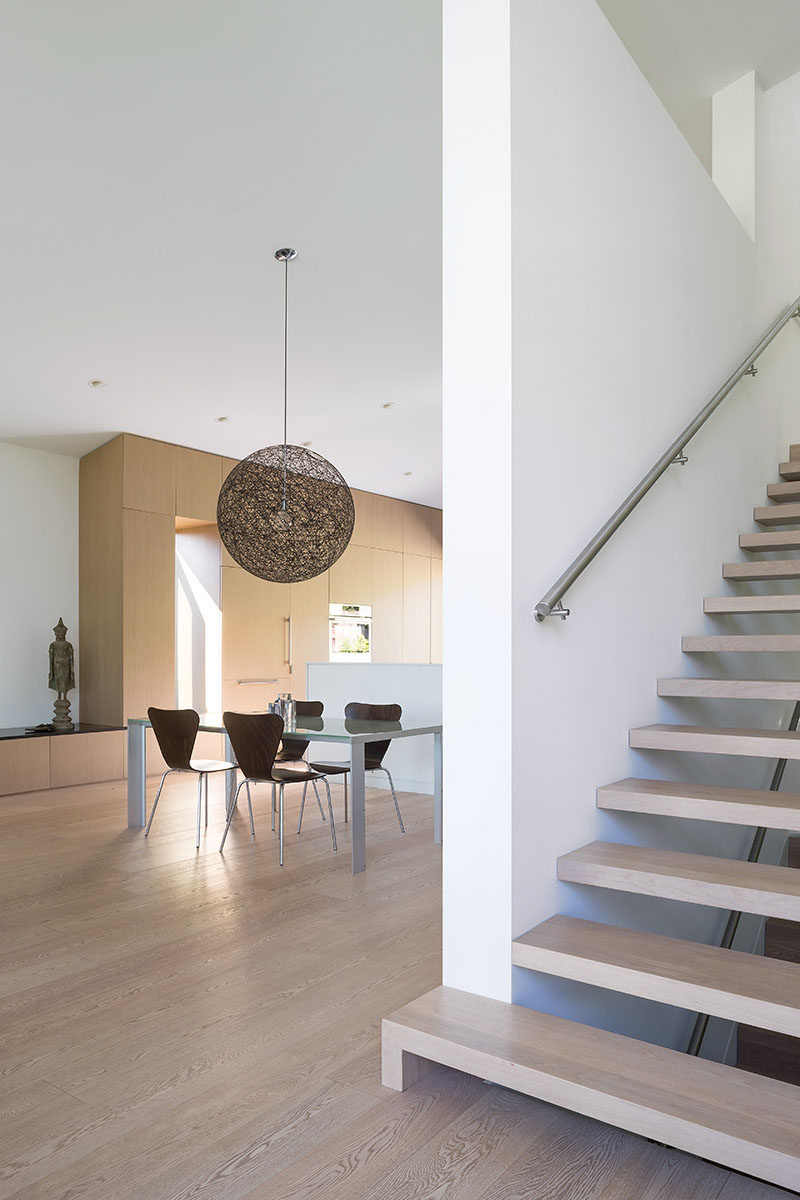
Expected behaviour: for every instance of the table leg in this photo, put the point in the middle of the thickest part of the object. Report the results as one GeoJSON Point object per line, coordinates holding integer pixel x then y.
{"type": "Point", "coordinates": [437, 788]}
{"type": "Point", "coordinates": [230, 776]}
{"type": "Point", "coordinates": [137, 800]}
{"type": "Point", "coordinates": [358, 818]}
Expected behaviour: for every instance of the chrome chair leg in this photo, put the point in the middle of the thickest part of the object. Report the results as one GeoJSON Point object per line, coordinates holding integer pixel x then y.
{"type": "Point", "coordinates": [155, 802]}
{"type": "Point", "coordinates": [319, 802]}
{"type": "Point", "coordinates": [250, 807]}
{"type": "Point", "coordinates": [199, 807]}
{"type": "Point", "coordinates": [273, 808]}
{"type": "Point", "coordinates": [330, 811]}
{"type": "Point", "coordinates": [344, 777]}
{"type": "Point", "coordinates": [206, 802]}
{"type": "Point", "coordinates": [394, 797]}
{"type": "Point", "coordinates": [302, 806]}
{"type": "Point", "coordinates": [280, 822]}
{"type": "Point", "coordinates": [231, 811]}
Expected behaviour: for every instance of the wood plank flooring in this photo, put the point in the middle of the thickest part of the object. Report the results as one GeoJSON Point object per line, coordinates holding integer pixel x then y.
{"type": "Point", "coordinates": [178, 1025]}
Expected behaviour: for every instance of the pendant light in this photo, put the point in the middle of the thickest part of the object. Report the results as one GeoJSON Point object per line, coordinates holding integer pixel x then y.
{"type": "Point", "coordinates": [285, 513]}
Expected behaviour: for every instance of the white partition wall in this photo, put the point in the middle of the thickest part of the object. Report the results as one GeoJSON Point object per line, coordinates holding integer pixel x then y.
{"type": "Point", "coordinates": [417, 687]}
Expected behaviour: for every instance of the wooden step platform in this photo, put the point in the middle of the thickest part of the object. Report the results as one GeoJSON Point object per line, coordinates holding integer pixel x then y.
{"type": "Point", "coordinates": [777, 514]}
{"type": "Point", "coordinates": [723, 983]}
{"type": "Point", "coordinates": [751, 604]}
{"type": "Point", "coordinates": [730, 689]}
{"type": "Point", "coordinates": [790, 470]}
{"type": "Point", "coordinates": [730, 1117]}
{"type": "Point", "coordinates": [783, 493]}
{"type": "Point", "coordinates": [694, 878]}
{"type": "Point", "coordinates": [730, 643]}
{"type": "Point", "coordinates": [779, 568]}
{"type": "Point", "coordinates": [757, 543]}
{"type": "Point", "coordinates": [702, 802]}
{"type": "Point", "coordinates": [709, 739]}
{"type": "Point", "coordinates": [765, 1052]}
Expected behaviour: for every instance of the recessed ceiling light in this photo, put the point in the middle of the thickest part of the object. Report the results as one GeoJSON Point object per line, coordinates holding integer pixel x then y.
{"type": "Point", "coordinates": [306, 443]}
{"type": "Point", "coordinates": [389, 404]}
{"type": "Point", "coordinates": [221, 419]}
{"type": "Point", "coordinates": [97, 383]}
{"type": "Point", "coordinates": [408, 472]}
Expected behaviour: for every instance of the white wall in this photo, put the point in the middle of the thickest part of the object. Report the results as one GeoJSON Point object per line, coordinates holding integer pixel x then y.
{"type": "Point", "coordinates": [477, 496]}
{"type": "Point", "coordinates": [633, 298]}
{"type": "Point", "coordinates": [39, 503]}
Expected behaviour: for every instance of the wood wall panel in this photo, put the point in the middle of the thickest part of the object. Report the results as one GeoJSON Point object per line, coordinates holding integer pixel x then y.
{"type": "Point", "coordinates": [227, 466]}
{"type": "Point", "coordinates": [24, 765]}
{"type": "Point", "coordinates": [86, 758]}
{"type": "Point", "coordinates": [362, 532]}
{"type": "Point", "coordinates": [309, 609]}
{"type": "Point", "coordinates": [416, 529]}
{"type": "Point", "coordinates": [436, 610]}
{"type": "Point", "coordinates": [435, 520]}
{"type": "Point", "coordinates": [255, 627]}
{"type": "Point", "coordinates": [416, 608]}
{"type": "Point", "coordinates": [198, 478]}
{"type": "Point", "coordinates": [148, 482]}
{"type": "Point", "coordinates": [148, 611]}
{"type": "Point", "coordinates": [387, 606]}
{"type": "Point", "coordinates": [351, 577]}
{"type": "Point", "coordinates": [100, 585]}
{"type": "Point", "coordinates": [387, 523]}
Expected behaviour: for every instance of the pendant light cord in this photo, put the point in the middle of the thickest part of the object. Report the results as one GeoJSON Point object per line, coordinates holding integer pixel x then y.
{"type": "Point", "coordinates": [285, 374]}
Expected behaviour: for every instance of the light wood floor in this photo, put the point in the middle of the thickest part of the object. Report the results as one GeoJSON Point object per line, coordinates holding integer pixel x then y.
{"type": "Point", "coordinates": [181, 1026]}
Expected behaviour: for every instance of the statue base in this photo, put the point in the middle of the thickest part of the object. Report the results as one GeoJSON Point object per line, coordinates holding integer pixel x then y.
{"type": "Point", "coordinates": [62, 722]}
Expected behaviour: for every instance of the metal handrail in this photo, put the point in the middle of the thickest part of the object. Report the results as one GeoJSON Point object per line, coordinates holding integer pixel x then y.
{"type": "Point", "coordinates": [701, 1021]}
{"type": "Point", "coordinates": [550, 603]}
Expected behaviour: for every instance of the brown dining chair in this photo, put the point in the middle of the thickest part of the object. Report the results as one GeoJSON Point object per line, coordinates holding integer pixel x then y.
{"type": "Point", "coordinates": [176, 734]}
{"type": "Point", "coordinates": [255, 738]}
{"type": "Point", "coordinates": [374, 752]}
{"type": "Point", "coordinates": [293, 749]}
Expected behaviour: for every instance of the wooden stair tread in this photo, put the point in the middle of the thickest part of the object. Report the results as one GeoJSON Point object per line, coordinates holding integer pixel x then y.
{"type": "Point", "coordinates": [789, 470]}
{"type": "Point", "coordinates": [777, 514]}
{"type": "Point", "coordinates": [751, 604]}
{"type": "Point", "coordinates": [757, 643]}
{"type": "Point", "coordinates": [694, 878]}
{"type": "Point", "coordinates": [702, 802]}
{"type": "Point", "coordinates": [787, 539]}
{"type": "Point", "coordinates": [709, 739]}
{"type": "Point", "coordinates": [781, 493]}
{"type": "Point", "coordinates": [742, 1121]}
{"type": "Point", "coordinates": [730, 689]}
{"type": "Point", "coordinates": [779, 568]}
{"type": "Point", "coordinates": [724, 983]}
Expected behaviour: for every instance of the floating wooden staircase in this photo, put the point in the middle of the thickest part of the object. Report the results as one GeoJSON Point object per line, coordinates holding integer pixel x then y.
{"type": "Point", "coordinates": [746, 1119]}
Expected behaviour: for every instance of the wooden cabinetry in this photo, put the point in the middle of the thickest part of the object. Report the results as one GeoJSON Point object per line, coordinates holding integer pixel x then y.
{"type": "Point", "coordinates": [416, 608]}
{"type": "Point", "coordinates": [198, 479]}
{"type": "Point", "coordinates": [387, 606]}
{"type": "Point", "coordinates": [148, 478]}
{"type": "Point", "coordinates": [436, 610]}
{"type": "Point", "coordinates": [308, 603]}
{"type": "Point", "coordinates": [255, 627]}
{"type": "Point", "coordinates": [351, 577]}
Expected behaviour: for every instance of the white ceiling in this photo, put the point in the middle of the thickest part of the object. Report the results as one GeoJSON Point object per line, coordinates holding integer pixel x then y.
{"type": "Point", "coordinates": [154, 155]}
{"type": "Point", "coordinates": [690, 49]}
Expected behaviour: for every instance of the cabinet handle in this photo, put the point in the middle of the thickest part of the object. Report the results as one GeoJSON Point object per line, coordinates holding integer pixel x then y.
{"type": "Point", "coordinates": [291, 656]}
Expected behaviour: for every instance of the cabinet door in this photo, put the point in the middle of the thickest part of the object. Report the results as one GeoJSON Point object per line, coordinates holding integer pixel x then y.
{"type": "Point", "coordinates": [309, 612]}
{"type": "Point", "coordinates": [351, 577]}
{"type": "Point", "coordinates": [416, 608]}
{"type": "Point", "coordinates": [387, 606]}
{"type": "Point", "coordinates": [255, 627]}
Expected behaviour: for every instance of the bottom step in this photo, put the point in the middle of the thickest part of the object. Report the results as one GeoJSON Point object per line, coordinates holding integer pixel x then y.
{"type": "Point", "coordinates": [738, 1120]}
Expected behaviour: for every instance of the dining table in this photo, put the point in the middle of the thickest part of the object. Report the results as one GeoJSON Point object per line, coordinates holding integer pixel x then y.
{"type": "Point", "coordinates": [328, 730]}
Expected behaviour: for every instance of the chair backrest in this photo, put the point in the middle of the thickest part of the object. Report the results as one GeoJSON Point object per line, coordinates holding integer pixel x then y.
{"type": "Point", "coordinates": [176, 733]}
{"type": "Point", "coordinates": [374, 751]}
{"type": "Point", "coordinates": [304, 708]}
{"type": "Point", "coordinates": [255, 738]}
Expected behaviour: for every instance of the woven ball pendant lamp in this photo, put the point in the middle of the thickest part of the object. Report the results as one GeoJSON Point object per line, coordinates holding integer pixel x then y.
{"type": "Point", "coordinates": [285, 513]}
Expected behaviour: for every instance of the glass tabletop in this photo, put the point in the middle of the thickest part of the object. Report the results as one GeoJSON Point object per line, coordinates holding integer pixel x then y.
{"type": "Point", "coordinates": [326, 729]}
